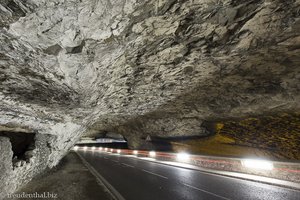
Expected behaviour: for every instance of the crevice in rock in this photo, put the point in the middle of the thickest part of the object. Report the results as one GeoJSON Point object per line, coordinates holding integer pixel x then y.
{"type": "Point", "coordinates": [22, 144]}
{"type": "Point", "coordinates": [16, 9]}
{"type": "Point", "coordinates": [77, 49]}
{"type": "Point", "coordinates": [53, 50]}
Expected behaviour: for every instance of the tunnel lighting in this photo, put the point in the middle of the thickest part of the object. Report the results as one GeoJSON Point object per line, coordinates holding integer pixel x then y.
{"type": "Point", "coordinates": [105, 149]}
{"type": "Point", "coordinates": [135, 152]}
{"type": "Point", "coordinates": [152, 154]}
{"type": "Point", "coordinates": [75, 148]}
{"type": "Point", "coordinates": [100, 148]}
{"type": "Point", "coordinates": [258, 164]}
{"type": "Point", "coordinates": [183, 157]}
{"type": "Point", "coordinates": [118, 151]}
{"type": "Point", "coordinates": [93, 148]}
{"type": "Point", "coordinates": [85, 148]}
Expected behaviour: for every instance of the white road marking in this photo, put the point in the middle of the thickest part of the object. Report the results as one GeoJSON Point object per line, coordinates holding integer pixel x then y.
{"type": "Point", "coordinates": [205, 191]}
{"type": "Point", "coordinates": [219, 174]}
{"type": "Point", "coordinates": [208, 172]}
{"type": "Point", "coordinates": [154, 174]}
{"type": "Point", "coordinates": [146, 158]}
{"type": "Point", "coordinates": [127, 165]}
{"type": "Point", "coordinates": [101, 180]}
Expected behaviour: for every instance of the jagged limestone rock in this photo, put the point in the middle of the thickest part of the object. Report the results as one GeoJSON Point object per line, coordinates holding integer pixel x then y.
{"type": "Point", "coordinates": [5, 165]}
{"type": "Point", "coordinates": [160, 68]}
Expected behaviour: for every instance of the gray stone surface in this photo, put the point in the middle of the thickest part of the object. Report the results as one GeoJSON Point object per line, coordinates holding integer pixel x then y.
{"type": "Point", "coordinates": [5, 164]}
{"type": "Point", "coordinates": [161, 68]}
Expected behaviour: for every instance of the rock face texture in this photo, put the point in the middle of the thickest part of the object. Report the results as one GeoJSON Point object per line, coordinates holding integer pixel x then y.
{"type": "Point", "coordinates": [278, 134]}
{"type": "Point", "coordinates": [138, 68]}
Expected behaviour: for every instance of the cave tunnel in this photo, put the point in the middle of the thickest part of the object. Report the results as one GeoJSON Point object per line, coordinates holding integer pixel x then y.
{"type": "Point", "coordinates": [20, 142]}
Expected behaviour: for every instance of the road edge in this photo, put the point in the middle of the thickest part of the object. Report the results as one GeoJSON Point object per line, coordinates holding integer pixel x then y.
{"type": "Point", "coordinates": [101, 180]}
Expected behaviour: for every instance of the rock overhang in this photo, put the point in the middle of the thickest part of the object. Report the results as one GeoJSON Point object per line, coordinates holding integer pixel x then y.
{"type": "Point", "coordinates": [144, 68]}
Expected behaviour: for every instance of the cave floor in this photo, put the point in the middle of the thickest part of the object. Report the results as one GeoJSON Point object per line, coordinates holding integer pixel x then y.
{"type": "Point", "coordinates": [70, 180]}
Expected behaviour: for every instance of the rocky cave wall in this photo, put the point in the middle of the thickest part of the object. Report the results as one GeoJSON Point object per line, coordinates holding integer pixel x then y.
{"type": "Point", "coordinates": [138, 68]}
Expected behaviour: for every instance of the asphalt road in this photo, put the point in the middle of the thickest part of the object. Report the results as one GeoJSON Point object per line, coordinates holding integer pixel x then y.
{"type": "Point", "coordinates": [137, 179]}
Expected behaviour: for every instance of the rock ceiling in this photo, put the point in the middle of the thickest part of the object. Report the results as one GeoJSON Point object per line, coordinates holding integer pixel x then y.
{"type": "Point", "coordinates": [138, 68]}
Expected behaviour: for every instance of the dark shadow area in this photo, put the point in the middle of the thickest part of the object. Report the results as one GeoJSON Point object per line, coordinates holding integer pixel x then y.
{"type": "Point", "coordinates": [53, 50]}
{"type": "Point", "coordinates": [16, 9]}
{"type": "Point", "coordinates": [116, 145]}
{"type": "Point", "coordinates": [159, 145]}
{"type": "Point", "coordinates": [176, 138]}
{"type": "Point", "coordinates": [75, 50]}
{"type": "Point", "coordinates": [21, 142]}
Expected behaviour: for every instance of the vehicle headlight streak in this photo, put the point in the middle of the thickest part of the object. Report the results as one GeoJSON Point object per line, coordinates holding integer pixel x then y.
{"type": "Point", "coordinates": [152, 154]}
{"type": "Point", "coordinates": [258, 164]}
{"type": "Point", "coordinates": [183, 157]}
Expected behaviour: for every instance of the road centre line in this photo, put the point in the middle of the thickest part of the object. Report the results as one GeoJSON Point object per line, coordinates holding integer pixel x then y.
{"type": "Point", "coordinates": [205, 191]}
{"type": "Point", "coordinates": [154, 174]}
{"type": "Point", "coordinates": [127, 165]}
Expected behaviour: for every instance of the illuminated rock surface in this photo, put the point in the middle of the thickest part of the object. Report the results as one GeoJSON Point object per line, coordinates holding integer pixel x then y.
{"type": "Point", "coordinates": [138, 68]}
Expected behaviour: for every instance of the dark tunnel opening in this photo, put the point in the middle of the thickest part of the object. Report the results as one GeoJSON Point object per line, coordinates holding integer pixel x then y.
{"type": "Point", "coordinates": [117, 145]}
{"type": "Point", "coordinates": [21, 142]}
